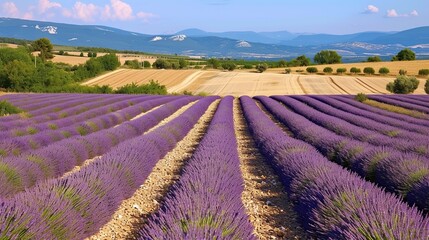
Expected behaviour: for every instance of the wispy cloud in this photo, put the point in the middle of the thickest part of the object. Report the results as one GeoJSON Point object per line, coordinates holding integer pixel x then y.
{"type": "Point", "coordinates": [45, 5]}
{"type": "Point", "coordinates": [371, 9]}
{"type": "Point", "coordinates": [392, 13]}
{"type": "Point", "coordinates": [83, 11]}
{"type": "Point", "coordinates": [10, 9]}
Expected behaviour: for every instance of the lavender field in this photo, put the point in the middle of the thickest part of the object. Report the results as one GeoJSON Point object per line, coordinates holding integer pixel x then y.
{"type": "Point", "coordinates": [76, 166]}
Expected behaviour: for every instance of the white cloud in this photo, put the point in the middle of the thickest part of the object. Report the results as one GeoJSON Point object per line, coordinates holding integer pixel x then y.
{"type": "Point", "coordinates": [392, 13]}
{"type": "Point", "coordinates": [45, 5]}
{"type": "Point", "coordinates": [84, 12]}
{"type": "Point", "coordinates": [371, 9]}
{"type": "Point", "coordinates": [121, 10]}
{"type": "Point", "coordinates": [10, 9]}
{"type": "Point", "coordinates": [414, 13]}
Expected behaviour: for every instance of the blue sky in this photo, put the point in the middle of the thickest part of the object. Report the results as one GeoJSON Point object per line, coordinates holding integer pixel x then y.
{"type": "Point", "coordinates": [170, 16]}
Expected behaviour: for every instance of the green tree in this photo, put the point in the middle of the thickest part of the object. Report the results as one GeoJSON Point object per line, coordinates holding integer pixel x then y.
{"type": "Point", "coordinates": [355, 70]}
{"type": "Point", "coordinates": [81, 54]}
{"type": "Point", "coordinates": [45, 47]}
{"type": "Point", "coordinates": [146, 64]}
{"type": "Point", "coordinates": [303, 61]}
{"type": "Point", "coordinates": [262, 67]}
{"type": "Point", "coordinates": [328, 70]}
{"type": "Point", "coordinates": [405, 55]}
{"type": "Point", "coordinates": [230, 66]}
{"type": "Point", "coordinates": [109, 61]}
{"type": "Point", "coordinates": [369, 70]}
{"type": "Point", "coordinates": [403, 85]}
{"type": "Point", "coordinates": [213, 63]}
{"type": "Point", "coordinates": [282, 63]}
{"type": "Point", "coordinates": [424, 72]}
{"type": "Point", "coordinates": [161, 64]}
{"type": "Point", "coordinates": [384, 71]}
{"type": "Point", "coordinates": [374, 59]}
{"type": "Point", "coordinates": [341, 70]}
{"type": "Point", "coordinates": [327, 57]}
{"type": "Point", "coordinates": [183, 64]}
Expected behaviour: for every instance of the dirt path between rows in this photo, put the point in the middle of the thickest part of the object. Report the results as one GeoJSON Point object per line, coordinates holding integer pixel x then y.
{"type": "Point", "coordinates": [264, 198]}
{"type": "Point", "coordinates": [134, 211]}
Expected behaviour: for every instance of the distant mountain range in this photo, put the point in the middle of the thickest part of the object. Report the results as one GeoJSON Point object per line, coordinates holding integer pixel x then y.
{"type": "Point", "coordinates": [245, 44]}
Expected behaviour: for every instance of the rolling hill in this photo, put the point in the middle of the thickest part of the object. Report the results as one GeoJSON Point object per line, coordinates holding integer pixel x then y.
{"type": "Point", "coordinates": [195, 42]}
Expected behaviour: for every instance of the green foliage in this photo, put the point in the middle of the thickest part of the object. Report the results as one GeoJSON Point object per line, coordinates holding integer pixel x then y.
{"type": "Point", "coordinates": [299, 61]}
{"type": "Point", "coordinates": [282, 63]}
{"type": "Point", "coordinates": [374, 59]}
{"type": "Point", "coordinates": [424, 72]}
{"type": "Point", "coordinates": [262, 67]}
{"type": "Point", "coordinates": [45, 47]}
{"type": "Point", "coordinates": [361, 97]}
{"type": "Point", "coordinates": [327, 57]}
{"type": "Point", "coordinates": [427, 86]}
{"type": "Point", "coordinates": [61, 52]}
{"type": "Point", "coordinates": [369, 70]}
{"type": "Point", "coordinates": [81, 54]}
{"type": "Point", "coordinates": [9, 54]}
{"type": "Point", "coordinates": [230, 66]}
{"type": "Point", "coordinates": [183, 64]}
{"type": "Point", "coordinates": [402, 72]}
{"type": "Point", "coordinates": [153, 87]}
{"type": "Point", "coordinates": [133, 64]}
{"type": "Point", "coordinates": [355, 70]}
{"type": "Point", "coordinates": [403, 85]}
{"type": "Point", "coordinates": [312, 70]}
{"type": "Point", "coordinates": [247, 66]}
{"type": "Point", "coordinates": [328, 70]}
{"type": "Point", "coordinates": [6, 108]}
{"type": "Point", "coordinates": [288, 70]}
{"type": "Point", "coordinates": [213, 63]}
{"type": "Point", "coordinates": [341, 70]}
{"type": "Point", "coordinates": [405, 55]}
{"type": "Point", "coordinates": [384, 71]}
{"type": "Point", "coordinates": [146, 64]}
{"type": "Point", "coordinates": [161, 64]}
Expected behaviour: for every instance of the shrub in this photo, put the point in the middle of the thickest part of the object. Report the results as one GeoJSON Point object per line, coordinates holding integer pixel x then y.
{"type": "Point", "coordinates": [288, 70]}
{"type": "Point", "coordinates": [229, 66]}
{"type": "Point", "coordinates": [361, 97]}
{"type": "Point", "coordinates": [423, 72]}
{"type": "Point", "coordinates": [61, 52]}
{"type": "Point", "coordinates": [355, 70]}
{"type": "Point", "coordinates": [153, 87]}
{"type": "Point", "coordinates": [262, 67]}
{"type": "Point", "coordinates": [384, 71]}
{"type": "Point", "coordinates": [312, 70]}
{"type": "Point", "coordinates": [403, 72]}
{"type": "Point", "coordinates": [133, 64]}
{"type": "Point", "coordinates": [341, 70]}
{"type": "Point", "coordinates": [161, 64]}
{"type": "Point", "coordinates": [7, 108]}
{"type": "Point", "coordinates": [374, 59]}
{"type": "Point", "coordinates": [403, 85]}
{"type": "Point", "coordinates": [328, 70]}
{"type": "Point", "coordinates": [81, 54]}
{"type": "Point", "coordinates": [146, 64]}
{"type": "Point", "coordinates": [369, 70]}
{"type": "Point", "coordinates": [248, 66]}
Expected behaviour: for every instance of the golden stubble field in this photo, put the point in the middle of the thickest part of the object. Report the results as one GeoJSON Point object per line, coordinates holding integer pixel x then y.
{"type": "Point", "coordinates": [73, 58]}
{"type": "Point", "coordinates": [412, 67]}
{"type": "Point", "coordinates": [240, 83]}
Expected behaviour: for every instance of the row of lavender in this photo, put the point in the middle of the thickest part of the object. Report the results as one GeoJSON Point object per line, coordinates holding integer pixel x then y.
{"type": "Point", "coordinates": [75, 206]}
{"type": "Point", "coordinates": [80, 125]}
{"type": "Point", "coordinates": [332, 202]}
{"type": "Point", "coordinates": [405, 173]}
{"type": "Point", "coordinates": [60, 157]}
{"type": "Point", "coordinates": [206, 201]}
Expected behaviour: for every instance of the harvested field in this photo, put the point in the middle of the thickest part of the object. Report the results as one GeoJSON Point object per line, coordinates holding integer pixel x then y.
{"type": "Point", "coordinates": [73, 58]}
{"type": "Point", "coordinates": [412, 67]}
{"type": "Point", "coordinates": [169, 78]}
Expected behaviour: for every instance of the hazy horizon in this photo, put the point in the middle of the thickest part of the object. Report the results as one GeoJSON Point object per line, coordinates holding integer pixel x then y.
{"type": "Point", "coordinates": [169, 16]}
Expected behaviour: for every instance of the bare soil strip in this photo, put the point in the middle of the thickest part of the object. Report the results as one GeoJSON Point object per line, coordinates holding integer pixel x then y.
{"type": "Point", "coordinates": [146, 200]}
{"type": "Point", "coordinates": [367, 86]}
{"type": "Point", "coordinates": [264, 197]}
{"type": "Point", "coordinates": [338, 86]}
